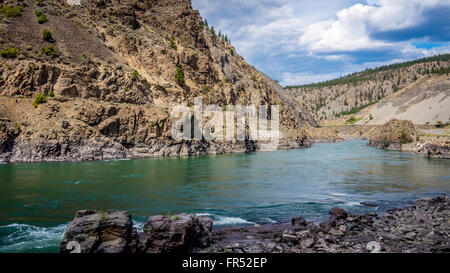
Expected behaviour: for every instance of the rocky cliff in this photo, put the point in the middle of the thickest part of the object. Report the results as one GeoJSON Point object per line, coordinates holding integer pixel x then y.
{"type": "Point", "coordinates": [99, 81]}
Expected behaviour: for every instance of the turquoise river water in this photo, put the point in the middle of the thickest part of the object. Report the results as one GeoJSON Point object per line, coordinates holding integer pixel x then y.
{"type": "Point", "coordinates": [39, 199]}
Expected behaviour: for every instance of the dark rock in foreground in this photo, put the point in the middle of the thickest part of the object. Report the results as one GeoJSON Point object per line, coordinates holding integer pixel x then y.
{"type": "Point", "coordinates": [112, 232]}
{"type": "Point", "coordinates": [423, 227]}
{"type": "Point", "coordinates": [338, 213]}
{"type": "Point", "coordinates": [99, 232]}
{"type": "Point", "coordinates": [176, 234]}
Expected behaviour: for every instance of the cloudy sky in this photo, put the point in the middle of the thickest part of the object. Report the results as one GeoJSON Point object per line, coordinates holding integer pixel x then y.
{"type": "Point", "coordinates": [303, 41]}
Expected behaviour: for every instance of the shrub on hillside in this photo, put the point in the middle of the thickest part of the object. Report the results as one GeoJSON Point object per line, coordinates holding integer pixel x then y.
{"type": "Point", "coordinates": [47, 36]}
{"type": "Point", "coordinates": [41, 16]}
{"type": "Point", "coordinates": [10, 52]}
{"type": "Point", "coordinates": [39, 99]}
{"type": "Point", "coordinates": [179, 75]}
{"type": "Point", "coordinates": [135, 75]}
{"type": "Point", "coordinates": [42, 19]}
{"type": "Point", "coordinates": [173, 44]}
{"type": "Point", "coordinates": [352, 120]}
{"type": "Point", "coordinates": [8, 11]}
{"type": "Point", "coordinates": [49, 51]}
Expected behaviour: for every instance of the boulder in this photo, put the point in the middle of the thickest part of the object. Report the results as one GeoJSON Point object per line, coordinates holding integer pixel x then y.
{"type": "Point", "coordinates": [436, 151]}
{"type": "Point", "coordinates": [299, 222]}
{"type": "Point", "coordinates": [338, 213]}
{"type": "Point", "coordinates": [98, 232]}
{"type": "Point", "coordinates": [175, 234]}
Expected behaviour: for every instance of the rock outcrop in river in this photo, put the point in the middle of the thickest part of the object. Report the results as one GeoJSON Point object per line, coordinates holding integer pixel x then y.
{"type": "Point", "coordinates": [393, 134]}
{"type": "Point", "coordinates": [402, 135]}
{"type": "Point", "coordinates": [422, 227]}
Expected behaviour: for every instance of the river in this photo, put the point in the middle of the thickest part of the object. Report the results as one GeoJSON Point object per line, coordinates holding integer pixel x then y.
{"type": "Point", "coordinates": [39, 199]}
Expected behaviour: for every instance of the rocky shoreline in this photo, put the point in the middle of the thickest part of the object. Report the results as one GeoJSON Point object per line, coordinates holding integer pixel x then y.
{"type": "Point", "coordinates": [107, 150]}
{"type": "Point", "coordinates": [422, 227]}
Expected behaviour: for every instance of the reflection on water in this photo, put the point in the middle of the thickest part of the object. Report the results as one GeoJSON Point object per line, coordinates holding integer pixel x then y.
{"type": "Point", "coordinates": [234, 189]}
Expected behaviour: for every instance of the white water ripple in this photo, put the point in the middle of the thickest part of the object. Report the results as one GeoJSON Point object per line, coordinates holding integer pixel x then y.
{"type": "Point", "coordinates": [225, 221]}
{"type": "Point", "coordinates": [24, 237]}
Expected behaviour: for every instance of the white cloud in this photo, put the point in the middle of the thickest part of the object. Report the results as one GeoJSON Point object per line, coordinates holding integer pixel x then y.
{"type": "Point", "coordinates": [351, 28]}
{"type": "Point", "coordinates": [312, 40]}
{"type": "Point", "coordinates": [347, 33]}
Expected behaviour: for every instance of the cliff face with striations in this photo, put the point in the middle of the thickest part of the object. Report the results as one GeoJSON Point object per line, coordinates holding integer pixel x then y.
{"type": "Point", "coordinates": [111, 72]}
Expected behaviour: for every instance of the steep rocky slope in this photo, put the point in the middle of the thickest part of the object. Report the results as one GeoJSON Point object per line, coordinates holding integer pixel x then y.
{"type": "Point", "coordinates": [423, 102]}
{"type": "Point", "coordinates": [111, 71]}
{"type": "Point", "coordinates": [346, 96]}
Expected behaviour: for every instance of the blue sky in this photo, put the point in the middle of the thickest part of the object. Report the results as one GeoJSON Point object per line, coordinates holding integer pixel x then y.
{"type": "Point", "coordinates": [304, 41]}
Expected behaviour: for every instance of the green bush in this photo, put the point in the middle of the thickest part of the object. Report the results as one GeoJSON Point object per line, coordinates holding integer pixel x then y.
{"type": "Point", "coordinates": [232, 52]}
{"type": "Point", "coordinates": [51, 94]}
{"type": "Point", "coordinates": [41, 16]}
{"type": "Point", "coordinates": [42, 19]}
{"type": "Point", "coordinates": [352, 120]}
{"type": "Point", "coordinates": [173, 44]}
{"type": "Point", "coordinates": [10, 52]}
{"type": "Point", "coordinates": [8, 11]}
{"type": "Point", "coordinates": [179, 75]}
{"type": "Point", "coordinates": [47, 36]}
{"type": "Point", "coordinates": [135, 75]}
{"type": "Point", "coordinates": [39, 99]}
{"type": "Point", "coordinates": [49, 50]}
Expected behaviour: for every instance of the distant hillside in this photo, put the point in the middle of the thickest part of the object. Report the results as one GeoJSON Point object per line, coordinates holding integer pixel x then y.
{"type": "Point", "coordinates": [426, 101]}
{"type": "Point", "coordinates": [348, 95]}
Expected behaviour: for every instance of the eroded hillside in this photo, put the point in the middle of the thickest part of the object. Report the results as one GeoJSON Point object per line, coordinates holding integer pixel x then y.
{"type": "Point", "coordinates": [110, 72]}
{"type": "Point", "coordinates": [426, 101]}
{"type": "Point", "coordinates": [348, 95]}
